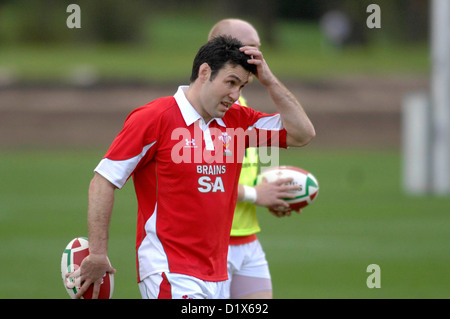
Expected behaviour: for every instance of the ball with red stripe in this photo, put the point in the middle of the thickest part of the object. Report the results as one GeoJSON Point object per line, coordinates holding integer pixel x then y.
{"type": "Point", "coordinates": [73, 255]}
{"type": "Point", "coordinates": [308, 187]}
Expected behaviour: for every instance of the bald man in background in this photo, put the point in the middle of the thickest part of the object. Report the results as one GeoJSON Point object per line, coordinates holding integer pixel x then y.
{"type": "Point", "coordinates": [248, 269]}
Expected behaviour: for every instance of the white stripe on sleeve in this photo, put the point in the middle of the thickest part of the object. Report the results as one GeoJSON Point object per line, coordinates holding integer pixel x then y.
{"type": "Point", "coordinates": [118, 172]}
{"type": "Point", "coordinates": [268, 123]}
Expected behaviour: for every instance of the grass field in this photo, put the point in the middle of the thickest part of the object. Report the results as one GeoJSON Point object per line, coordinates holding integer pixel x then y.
{"type": "Point", "coordinates": [361, 217]}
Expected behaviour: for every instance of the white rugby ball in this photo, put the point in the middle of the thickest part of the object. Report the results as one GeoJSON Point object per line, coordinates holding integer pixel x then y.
{"type": "Point", "coordinates": [73, 255]}
{"type": "Point", "coordinates": [308, 187]}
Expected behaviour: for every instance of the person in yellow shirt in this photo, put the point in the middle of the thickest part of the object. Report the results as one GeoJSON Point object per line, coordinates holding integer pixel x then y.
{"type": "Point", "coordinates": [248, 269]}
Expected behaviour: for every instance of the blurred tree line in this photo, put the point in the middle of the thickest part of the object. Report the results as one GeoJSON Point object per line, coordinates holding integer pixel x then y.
{"type": "Point", "coordinates": [43, 21]}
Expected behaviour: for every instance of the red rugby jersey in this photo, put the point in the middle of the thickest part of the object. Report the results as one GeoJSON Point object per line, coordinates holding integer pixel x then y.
{"type": "Point", "coordinates": [185, 175]}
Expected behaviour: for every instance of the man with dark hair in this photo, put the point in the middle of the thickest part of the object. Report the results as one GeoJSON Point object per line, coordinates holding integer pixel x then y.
{"type": "Point", "coordinates": [226, 50]}
{"type": "Point", "coordinates": [185, 153]}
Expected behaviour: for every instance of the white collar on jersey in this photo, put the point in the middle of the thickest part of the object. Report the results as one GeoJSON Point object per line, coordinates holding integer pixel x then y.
{"type": "Point", "coordinates": [189, 113]}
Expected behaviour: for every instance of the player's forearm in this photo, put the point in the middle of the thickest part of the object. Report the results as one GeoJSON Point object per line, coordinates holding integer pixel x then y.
{"type": "Point", "coordinates": [297, 124]}
{"type": "Point", "coordinates": [299, 128]}
{"type": "Point", "coordinates": [101, 202]}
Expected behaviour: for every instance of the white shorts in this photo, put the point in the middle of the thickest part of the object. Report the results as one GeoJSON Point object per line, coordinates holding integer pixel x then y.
{"type": "Point", "coordinates": [168, 285]}
{"type": "Point", "coordinates": [248, 270]}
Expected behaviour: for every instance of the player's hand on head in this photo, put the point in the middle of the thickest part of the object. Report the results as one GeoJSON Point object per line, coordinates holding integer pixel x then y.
{"type": "Point", "coordinates": [263, 72]}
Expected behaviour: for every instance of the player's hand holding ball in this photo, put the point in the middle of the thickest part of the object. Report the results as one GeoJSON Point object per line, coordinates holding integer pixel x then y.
{"type": "Point", "coordinates": [303, 188]}
{"type": "Point", "coordinates": [86, 275]}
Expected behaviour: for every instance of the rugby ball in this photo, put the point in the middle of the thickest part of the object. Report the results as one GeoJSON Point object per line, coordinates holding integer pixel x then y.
{"type": "Point", "coordinates": [73, 255]}
{"type": "Point", "coordinates": [308, 187]}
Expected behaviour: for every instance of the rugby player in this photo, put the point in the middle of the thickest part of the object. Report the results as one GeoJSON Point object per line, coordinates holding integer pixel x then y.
{"type": "Point", "coordinates": [184, 154]}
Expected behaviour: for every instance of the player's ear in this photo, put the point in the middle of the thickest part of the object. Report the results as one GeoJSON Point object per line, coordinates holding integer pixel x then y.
{"type": "Point", "coordinates": [204, 72]}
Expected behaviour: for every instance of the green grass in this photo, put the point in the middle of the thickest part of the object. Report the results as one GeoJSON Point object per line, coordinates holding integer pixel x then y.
{"type": "Point", "coordinates": [172, 41]}
{"type": "Point", "coordinates": [361, 217]}
{"type": "Point", "coordinates": [43, 203]}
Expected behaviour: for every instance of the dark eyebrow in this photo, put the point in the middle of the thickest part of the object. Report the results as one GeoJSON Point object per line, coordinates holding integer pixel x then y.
{"type": "Point", "coordinates": [237, 78]}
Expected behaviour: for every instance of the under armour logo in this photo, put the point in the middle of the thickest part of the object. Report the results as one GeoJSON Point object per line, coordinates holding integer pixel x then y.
{"type": "Point", "coordinates": [190, 143]}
